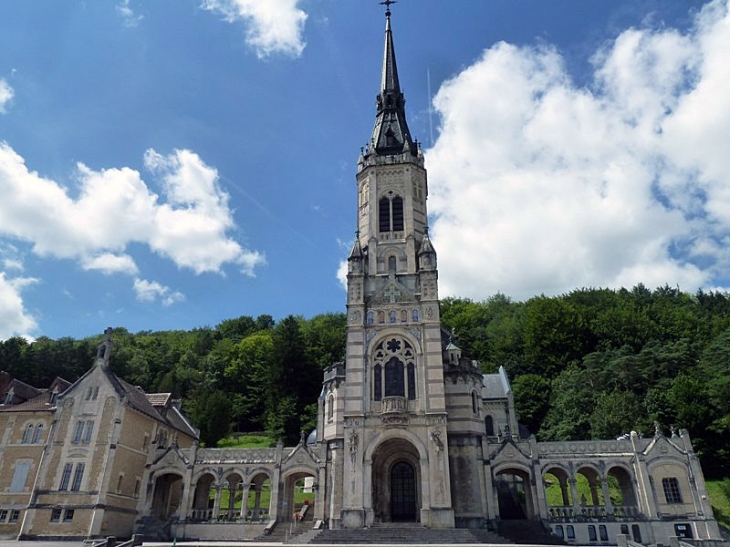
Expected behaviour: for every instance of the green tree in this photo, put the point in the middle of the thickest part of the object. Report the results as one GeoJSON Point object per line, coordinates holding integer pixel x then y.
{"type": "Point", "coordinates": [532, 400]}
{"type": "Point", "coordinates": [292, 378]}
{"type": "Point", "coordinates": [246, 377]}
{"type": "Point", "coordinates": [615, 413]}
{"type": "Point", "coordinates": [211, 413]}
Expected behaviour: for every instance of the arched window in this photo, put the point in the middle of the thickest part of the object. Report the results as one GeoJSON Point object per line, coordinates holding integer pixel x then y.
{"type": "Point", "coordinates": [28, 434]}
{"type": "Point", "coordinates": [330, 408]}
{"type": "Point", "coordinates": [377, 382]}
{"type": "Point", "coordinates": [411, 381]}
{"type": "Point", "coordinates": [38, 433]}
{"type": "Point", "coordinates": [394, 370]}
{"type": "Point", "coordinates": [489, 426]}
{"type": "Point", "coordinates": [397, 214]}
{"type": "Point", "coordinates": [384, 214]}
{"type": "Point", "coordinates": [390, 214]}
{"type": "Point", "coordinates": [392, 264]}
{"type": "Point", "coordinates": [474, 402]}
{"type": "Point", "coordinates": [394, 384]}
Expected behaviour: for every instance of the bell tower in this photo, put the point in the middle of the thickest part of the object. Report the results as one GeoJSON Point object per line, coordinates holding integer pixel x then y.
{"type": "Point", "coordinates": [388, 403]}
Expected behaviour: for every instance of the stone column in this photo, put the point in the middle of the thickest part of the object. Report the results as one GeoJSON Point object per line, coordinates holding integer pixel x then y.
{"type": "Point", "coordinates": [564, 491]}
{"type": "Point", "coordinates": [256, 504]}
{"type": "Point", "coordinates": [217, 502]}
{"type": "Point", "coordinates": [574, 494]}
{"type": "Point", "coordinates": [231, 499]}
{"type": "Point", "coordinates": [319, 486]}
{"type": "Point", "coordinates": [244, 501]}
{"type": "Point", "coordinates": [606, 496]}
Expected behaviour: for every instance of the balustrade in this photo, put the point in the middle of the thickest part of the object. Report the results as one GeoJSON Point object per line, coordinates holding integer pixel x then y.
{"type": "Point", "coordinates": [394, 405]}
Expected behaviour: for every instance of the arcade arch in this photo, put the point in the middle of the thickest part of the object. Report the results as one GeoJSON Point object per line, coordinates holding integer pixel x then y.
{"type": "Point", "coordinates": [167, 495]}
{"type": "Point", "coordinates": [514, 494]}
{"type": "Point", "coordinates": [298, 491]}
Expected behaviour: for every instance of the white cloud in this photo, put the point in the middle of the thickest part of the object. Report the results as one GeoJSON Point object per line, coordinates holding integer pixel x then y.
{"type": "Point", "coordinates": [15, 320]}
{"type": "Point", "coordinates": [109, 263]}
{"type": "Point", "coordinates": [273, 26]}
{"type": "Point", "coordinates": [342, 274]}
{"type": "Point", "coordinates": [10, 257]}
{"type": "Point", "coordinates": [149, 291]}
{"type": "Point", "coordinates": [540, 186]}
{"type": "Point", "coordinates": [129, 18]}
{"type": "Point", "coordinates": [116, 208]}
{"type": "Point", "coordinates": [6, 95]}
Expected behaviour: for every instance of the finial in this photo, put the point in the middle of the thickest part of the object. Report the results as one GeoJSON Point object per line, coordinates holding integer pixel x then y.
{"type": "Point", "coordinates": [387, 4]}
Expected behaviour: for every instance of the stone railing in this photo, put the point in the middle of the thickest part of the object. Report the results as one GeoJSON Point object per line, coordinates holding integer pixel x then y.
{"type": "Point", "coordinates": [206, 516]}
{"type": "Point", "coordinates": [394, 405]}
{"type": "Point", "coordinates": [561, 449]}
{"type": "Point", "coordinates": [237, 455]}
{"type": "Point", "coordinates": [593, 512]}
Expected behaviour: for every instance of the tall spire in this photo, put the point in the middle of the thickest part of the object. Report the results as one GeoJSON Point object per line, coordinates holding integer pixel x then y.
{"type": "Point", "coordinates": [391, 135]}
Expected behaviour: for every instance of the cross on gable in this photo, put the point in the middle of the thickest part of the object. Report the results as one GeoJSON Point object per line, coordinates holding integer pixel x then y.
{"type": "Point", "coordinates": [392, 294]}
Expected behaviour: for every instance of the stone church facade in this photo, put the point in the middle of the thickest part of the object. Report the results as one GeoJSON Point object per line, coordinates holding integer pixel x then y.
{"type": "Point", "coordinates": [409, 429]}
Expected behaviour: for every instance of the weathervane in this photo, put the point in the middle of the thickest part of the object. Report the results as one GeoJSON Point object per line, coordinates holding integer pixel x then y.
{"type": "Point", "coordinates": [387, 4]}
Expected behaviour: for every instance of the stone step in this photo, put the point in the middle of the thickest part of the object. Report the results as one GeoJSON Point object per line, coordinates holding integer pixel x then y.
{"type": "Point", "coordinates": [398, 534]}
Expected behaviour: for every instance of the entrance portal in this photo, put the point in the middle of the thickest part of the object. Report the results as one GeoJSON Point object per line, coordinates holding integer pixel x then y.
{"type": "Point", "coordinates": [396, 482]}
{"type": "Point", "coordinates": [402, 493]}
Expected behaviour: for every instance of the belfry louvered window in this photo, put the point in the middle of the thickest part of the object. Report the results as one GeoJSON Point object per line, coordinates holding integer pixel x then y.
{"type": "Point", "coordinates": [390, 214]}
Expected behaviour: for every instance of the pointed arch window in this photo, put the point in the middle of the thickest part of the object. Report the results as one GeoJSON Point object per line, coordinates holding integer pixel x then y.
{"type": "Point", "coordinates": [330, 408]}
{"type": "Point", "coordinates": [37, 434]}
{"type": "Point", "coordinates": [394, 384]}
{"type": "Point", "coordinates": [397, 214]}
{"type": "Point", "coordinates": [394, 370]}
{"type": "Point", "coordinates": [384, 214]}
{"type": "Point", "coordinates": [377, 382]}
{"type": "Point", "coordinates": [390, 214]}
{"type": "Point", "coordinates": [28, 434]}
{"type": "Point", "coordinates": [489, 426]}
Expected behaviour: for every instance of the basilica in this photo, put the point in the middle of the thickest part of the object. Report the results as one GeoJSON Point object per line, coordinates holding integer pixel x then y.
{"type": "Point", "coordinates": [409, 428]}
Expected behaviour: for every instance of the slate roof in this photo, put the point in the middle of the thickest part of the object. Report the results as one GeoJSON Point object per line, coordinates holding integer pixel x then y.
{"type": "Point", "coordinates": [41, 401]}
{"type": "Point", "coordinates": [28, 398]}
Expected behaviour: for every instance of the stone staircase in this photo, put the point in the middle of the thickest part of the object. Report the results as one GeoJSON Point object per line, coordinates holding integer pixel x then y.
{"type": "Point", "coordinates": [527, 532]}
{"type": "Point", "coordinates": [289, 532]}
{"type": "Point", "coordinates": [404, 534]}
{"type": "Point", "coordinates": [154, 529]}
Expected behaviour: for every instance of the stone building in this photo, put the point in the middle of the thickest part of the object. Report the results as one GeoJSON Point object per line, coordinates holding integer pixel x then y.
{"type": "Point", "coordinates": [409, 429]}
{"type": "Point", "coordinates": [72, 457]}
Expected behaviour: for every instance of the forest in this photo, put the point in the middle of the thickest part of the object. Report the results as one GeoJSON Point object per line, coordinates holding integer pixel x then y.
{"type": "Point", "coordinates": [593, 363]}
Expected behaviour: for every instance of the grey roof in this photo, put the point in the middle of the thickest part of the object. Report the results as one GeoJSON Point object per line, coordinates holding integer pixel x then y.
{"type": "Point", "coordinates": [496, 386]}
{"type": "Point", "coordinates": [492, 387]}
{"type": "Point", "coordinates": [391, 135]}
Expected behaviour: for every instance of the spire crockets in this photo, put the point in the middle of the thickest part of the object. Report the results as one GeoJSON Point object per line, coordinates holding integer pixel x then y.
{"type": "Point", "coordinates": [390, 134]}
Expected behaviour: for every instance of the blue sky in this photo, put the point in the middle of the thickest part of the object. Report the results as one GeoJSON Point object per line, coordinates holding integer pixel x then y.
{"type": "Point", "coordinates": [170, 164]}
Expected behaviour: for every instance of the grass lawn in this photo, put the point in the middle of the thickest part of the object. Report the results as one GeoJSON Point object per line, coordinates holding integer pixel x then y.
{"type": "Point", "coordinates": [718, 491]}
{"type": "Point", "coordinates": [247, 440]}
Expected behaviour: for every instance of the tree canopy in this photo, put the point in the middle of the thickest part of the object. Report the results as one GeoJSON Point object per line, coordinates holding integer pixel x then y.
{"type": "Point", "coordinates": [593, 363]}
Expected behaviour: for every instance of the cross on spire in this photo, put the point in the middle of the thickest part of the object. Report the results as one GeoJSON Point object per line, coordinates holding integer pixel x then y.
{"type": "Point", "coordinates": [387, 4]}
